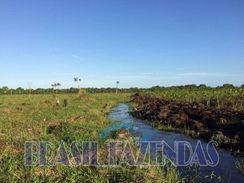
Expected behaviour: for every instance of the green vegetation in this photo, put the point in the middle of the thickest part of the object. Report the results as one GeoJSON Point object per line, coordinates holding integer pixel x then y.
{"type": "Point", "coordinates": [226, 96]}
{"type": "Point", "coordinates": [221, 97]}
{"type": "Point", "coordinates": [207, 113]}
{"type": "Point", "coordinates": [54, 89]}
{"type": "Point", "coordinates": [38, 117]}
{"type": "Point", "coordinates": [60, 114]}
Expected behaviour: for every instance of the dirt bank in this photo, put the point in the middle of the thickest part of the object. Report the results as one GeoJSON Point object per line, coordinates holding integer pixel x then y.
{"type": "Point", "coordinates": [223, 125]}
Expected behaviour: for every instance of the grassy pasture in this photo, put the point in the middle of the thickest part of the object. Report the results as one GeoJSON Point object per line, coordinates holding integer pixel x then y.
{"type": "Point", "coordinates": [35, 118]}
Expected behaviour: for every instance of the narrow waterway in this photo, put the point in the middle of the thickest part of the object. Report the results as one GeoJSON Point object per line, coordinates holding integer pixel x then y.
{"type": "Point", "coordinates": [142, 131]}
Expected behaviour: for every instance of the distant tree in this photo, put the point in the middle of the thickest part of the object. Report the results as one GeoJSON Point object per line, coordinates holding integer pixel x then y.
{"type": "Point", "coordinates": [77, 80]}
{"type": "Point", "coordinates": [58, 85]}
{"type": "Point", "coordinates": [192, 86]}
{"type": "Point", "coordinates": [134, 90]}
{"type": "Point", "coordinates": [5, 89]}
{"type": "Point", "coordinates": [242, 86]}
{"type": "Point", "coordinates": [117, 86]}
{"type": "Point", "coordinates": [202, 86]}
{"type": "Point", "coordinates": [227, 85]}
{"type": "Point", "coordinates": [73, 90]}
{"type": "Point", "coordinates": [40, 91]}
{"type": "Point", "coordinates": [156, 89]}
{"type": "Point", "coordinates": [20, 90]}
{"type": "Point", "coordinates": [54, 86]}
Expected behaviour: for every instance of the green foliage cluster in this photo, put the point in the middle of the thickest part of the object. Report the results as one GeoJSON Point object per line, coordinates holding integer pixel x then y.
{"type": "Point", "coordinates": [226, 96]}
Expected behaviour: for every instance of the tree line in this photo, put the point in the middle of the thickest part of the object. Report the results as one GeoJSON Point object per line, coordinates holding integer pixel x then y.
{"type": "Point", "coordinates": [18, 91]}
{"type": "Point", "coordinates": [5, 90]}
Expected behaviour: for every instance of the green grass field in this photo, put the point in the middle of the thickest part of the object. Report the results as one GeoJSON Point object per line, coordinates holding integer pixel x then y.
{"type": "Point", "coordinates": [37, 118]}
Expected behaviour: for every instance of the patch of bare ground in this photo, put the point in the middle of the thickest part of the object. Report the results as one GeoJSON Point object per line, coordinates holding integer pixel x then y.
{"type": "Point", "coordinates": [222, 125]}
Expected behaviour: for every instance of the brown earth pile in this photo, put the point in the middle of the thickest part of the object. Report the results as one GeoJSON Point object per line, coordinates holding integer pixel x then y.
{"type": "Point", "coordinates": [223, 125]}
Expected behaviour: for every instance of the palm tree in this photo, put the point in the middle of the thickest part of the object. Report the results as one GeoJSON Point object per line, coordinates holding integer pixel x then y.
{"type": "Point", "coordinates": [55, 85]}
{"type": "Point", "coordinates": [77, 80]}
{"type": "Point", "coordinates": [117, 86]}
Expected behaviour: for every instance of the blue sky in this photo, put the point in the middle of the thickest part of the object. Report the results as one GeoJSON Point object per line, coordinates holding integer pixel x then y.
{"type": "Point", "coordinates": [141, 43]}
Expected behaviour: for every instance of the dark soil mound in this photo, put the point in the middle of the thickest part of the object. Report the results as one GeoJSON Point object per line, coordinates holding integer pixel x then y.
{"type": "Point", "coordinates": [223, 125]}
